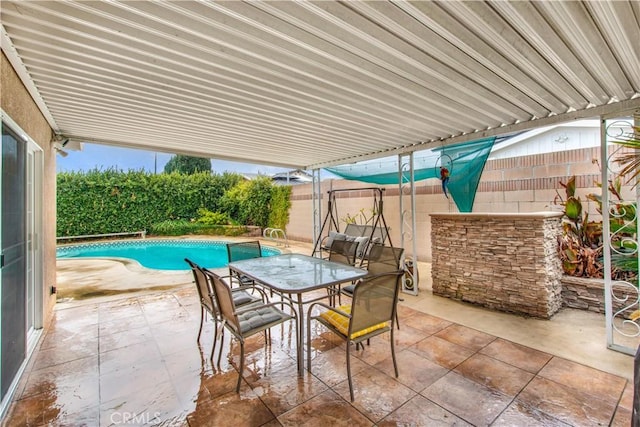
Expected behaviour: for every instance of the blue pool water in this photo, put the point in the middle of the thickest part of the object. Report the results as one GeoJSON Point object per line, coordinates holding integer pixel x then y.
{"type": "Point", "coordinates": [158, 254]}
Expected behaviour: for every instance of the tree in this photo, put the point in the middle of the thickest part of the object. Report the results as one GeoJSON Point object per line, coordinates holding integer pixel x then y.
{"type": "Point", "coordinates": [187, 165]}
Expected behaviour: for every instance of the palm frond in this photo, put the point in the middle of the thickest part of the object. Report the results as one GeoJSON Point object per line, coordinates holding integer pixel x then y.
{"type": "Point", "coordinates": [630, 161]}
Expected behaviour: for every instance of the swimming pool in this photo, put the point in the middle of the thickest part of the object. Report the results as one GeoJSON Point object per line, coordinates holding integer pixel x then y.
{"type": "Point", "coordinates": [158, 254]}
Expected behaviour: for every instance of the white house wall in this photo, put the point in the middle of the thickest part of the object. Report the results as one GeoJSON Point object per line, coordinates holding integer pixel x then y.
{"type": "Point", "coordinates": [551, 139]}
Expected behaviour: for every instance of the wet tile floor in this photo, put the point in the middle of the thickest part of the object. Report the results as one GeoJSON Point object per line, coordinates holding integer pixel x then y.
{"type": "Point", "coordinates": [136, 361]}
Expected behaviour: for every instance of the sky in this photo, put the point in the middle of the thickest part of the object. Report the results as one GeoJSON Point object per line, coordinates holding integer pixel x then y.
{"type": "Point", "coordinates": [103, 157]}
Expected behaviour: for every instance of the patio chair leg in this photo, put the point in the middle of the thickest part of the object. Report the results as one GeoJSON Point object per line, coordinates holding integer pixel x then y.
{"type": "Point", "coordinates": [241, 366]}
{"type": "Point", "coordinates": [221, 346]}
{"type": "Point", "coordinates": [308, 341]}
{"type": "Point", "coordinates": [349, 372]}
{"type": "Point", "coordinates": [201, 323]}
{"type": "Point", "coordinates": [393, 354]}
{"type": "Point", "coordinates": [215, 336]}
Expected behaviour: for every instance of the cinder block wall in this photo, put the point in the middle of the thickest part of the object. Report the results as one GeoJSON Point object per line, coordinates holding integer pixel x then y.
{"type": "Point", "coordinates": [514, 185]}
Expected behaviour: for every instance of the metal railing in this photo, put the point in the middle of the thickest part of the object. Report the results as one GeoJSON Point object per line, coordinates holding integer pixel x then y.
{"type": "Point", "coordinates": [277, 235]}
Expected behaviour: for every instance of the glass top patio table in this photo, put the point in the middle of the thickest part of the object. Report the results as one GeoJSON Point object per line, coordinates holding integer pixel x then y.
{"type": "Point", "coordinates": [296, 273]}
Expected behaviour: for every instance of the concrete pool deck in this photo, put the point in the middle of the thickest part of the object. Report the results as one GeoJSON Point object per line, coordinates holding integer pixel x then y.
{"type": "Point", "coordinates": [82, 278]}
{"type": "Point", "coordinates": [576, 335]}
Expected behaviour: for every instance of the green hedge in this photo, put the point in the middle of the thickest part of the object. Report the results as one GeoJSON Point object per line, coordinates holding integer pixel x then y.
{"type": "Point", "coordinates": [99, 202]}
{"type": "Point", "coordinates": [280, 206]}
{"type": "Point", "coordinates": [111, 201]}
{"type": "Point", "coordinates": [181, 227]}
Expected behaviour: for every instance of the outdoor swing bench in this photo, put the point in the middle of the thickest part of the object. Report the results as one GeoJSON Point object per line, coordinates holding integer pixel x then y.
{"type": "Point", "coordinates": [364, 235]}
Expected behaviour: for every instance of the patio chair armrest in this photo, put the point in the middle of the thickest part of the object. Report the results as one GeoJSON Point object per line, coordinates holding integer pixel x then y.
{"type": "Point", "coordinates": [257, 288]}
{"type": "Point", "coordinates": [328, 307]}
{"type": "Point", "coordinates": [231, 279]}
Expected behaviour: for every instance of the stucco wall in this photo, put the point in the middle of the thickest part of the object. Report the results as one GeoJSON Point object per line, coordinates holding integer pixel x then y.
{"type": "Point", "coordinates": [18, 104]}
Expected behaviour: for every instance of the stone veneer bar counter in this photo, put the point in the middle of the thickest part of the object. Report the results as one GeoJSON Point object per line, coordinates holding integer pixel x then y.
{"type": "Point", "coordinates": [505, 262]}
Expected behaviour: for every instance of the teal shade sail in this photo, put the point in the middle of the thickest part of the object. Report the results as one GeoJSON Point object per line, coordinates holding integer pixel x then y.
{"type": "Point", "coordinates": [465, 163]}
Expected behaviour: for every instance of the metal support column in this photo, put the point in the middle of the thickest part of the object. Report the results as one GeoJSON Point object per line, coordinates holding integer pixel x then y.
{"type": "Point", "coordinates": [407, 189]}
{"type": "Point", "coordinates": [317, 205]}
{"type": "Point", "coordinates": [622, 296]}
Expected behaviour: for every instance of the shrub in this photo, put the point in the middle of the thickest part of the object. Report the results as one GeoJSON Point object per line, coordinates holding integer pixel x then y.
{"type": "Point", "coordinates": [249, 202]}
{"type": "Point", "coordinates": [206, 217]}
{"type": "Point", "coordinates": [174, 227]}
{"type": "Point", "coordinates": [581, 244]}
{"type": "Point", "coordinates": [280, 205]}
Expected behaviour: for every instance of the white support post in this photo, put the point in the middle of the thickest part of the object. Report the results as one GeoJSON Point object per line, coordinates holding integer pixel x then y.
{"type": "Point", "coordinates": [608, 303]}
{"type": "Point", "coordinates": [317, 205]}
{"type": "Point", "coordinates": [620, 330]}
{"type": "Point", "coordinates": [406, 182]}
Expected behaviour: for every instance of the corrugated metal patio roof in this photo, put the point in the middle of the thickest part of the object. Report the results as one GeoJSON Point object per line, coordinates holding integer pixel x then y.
{"type": "Point", "coordinates": [312, 84]}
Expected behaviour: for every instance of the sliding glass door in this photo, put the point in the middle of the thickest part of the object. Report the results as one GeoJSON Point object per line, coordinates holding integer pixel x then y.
{"type": "Point", "coordinates": [13, 320]}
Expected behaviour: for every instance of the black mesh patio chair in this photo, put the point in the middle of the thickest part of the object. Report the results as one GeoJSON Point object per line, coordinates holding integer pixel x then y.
{"type": "Point", "coordinates": [382, 259]}
{"type": "Point", "coordinates": [372, 312]}
{"type": "Point", "coordinates": [243, 250]}
{"type": "Point", "coordinates": [245, 322]}
{"type": "Point", "coordinates": [344, 252]}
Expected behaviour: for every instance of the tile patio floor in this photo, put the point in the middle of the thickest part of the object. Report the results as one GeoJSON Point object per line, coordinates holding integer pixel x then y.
{"type": "Point", "coordinates": [134, 360]}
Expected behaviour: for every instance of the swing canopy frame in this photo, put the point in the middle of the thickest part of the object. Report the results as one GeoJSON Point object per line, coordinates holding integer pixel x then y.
{"type": "Point", "coordinates": [375, 231]}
